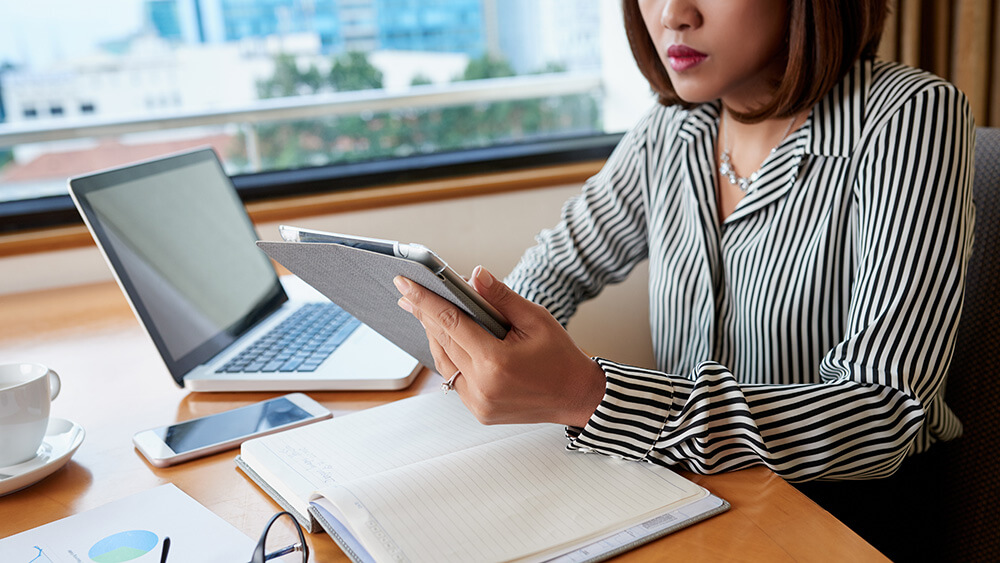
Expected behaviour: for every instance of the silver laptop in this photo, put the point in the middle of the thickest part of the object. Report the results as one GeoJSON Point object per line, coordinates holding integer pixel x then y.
{"type": "Point", "coordinates": [182, 248]}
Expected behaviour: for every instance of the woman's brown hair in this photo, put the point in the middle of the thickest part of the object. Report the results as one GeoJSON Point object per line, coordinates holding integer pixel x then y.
{"type": "Point", "coordinates": [824, 40]}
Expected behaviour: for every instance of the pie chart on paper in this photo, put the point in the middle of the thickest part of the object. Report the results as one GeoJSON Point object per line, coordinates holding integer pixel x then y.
{"type": "Point", "coordinates": [123, 546]}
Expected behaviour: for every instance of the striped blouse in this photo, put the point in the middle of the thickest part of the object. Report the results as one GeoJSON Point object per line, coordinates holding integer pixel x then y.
{"type": "Point", "coordinates": [811, 331]}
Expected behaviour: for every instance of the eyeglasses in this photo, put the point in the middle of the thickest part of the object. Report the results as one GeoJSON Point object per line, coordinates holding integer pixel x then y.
{"type": "Point", "coordinates": [260, 553]}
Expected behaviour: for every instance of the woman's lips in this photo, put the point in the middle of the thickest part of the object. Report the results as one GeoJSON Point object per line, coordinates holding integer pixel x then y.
{"type": "Point", "coordinates": [682, 57]}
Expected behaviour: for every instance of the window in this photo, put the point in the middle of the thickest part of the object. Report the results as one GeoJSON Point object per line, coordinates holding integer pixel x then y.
{"type": "Point", "coordinates": [294, 93]}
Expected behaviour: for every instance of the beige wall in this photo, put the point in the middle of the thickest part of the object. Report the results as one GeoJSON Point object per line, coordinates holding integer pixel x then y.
{"type": "Point", "coordinates": [492, 230]}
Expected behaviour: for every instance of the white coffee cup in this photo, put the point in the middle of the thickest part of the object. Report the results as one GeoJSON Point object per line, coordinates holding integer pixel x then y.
{"type": "Point", "coordinates": [26, 393]}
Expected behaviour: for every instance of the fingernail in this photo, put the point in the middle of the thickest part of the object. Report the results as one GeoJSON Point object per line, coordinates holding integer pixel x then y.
{"type": "Point", "coordinates": [402, 284]}
{"type": "Point", "coordinates": [484, 277]}
{"type": "Point", "coordinates": [404, 304]}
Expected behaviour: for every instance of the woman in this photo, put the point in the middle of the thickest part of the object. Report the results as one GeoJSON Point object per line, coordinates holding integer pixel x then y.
{"type": "Point", "coordinates": [807, 215]}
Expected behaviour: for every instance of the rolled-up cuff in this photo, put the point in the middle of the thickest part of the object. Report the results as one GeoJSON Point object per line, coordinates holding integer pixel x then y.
{"type": "Point", "coordinates": [630, 419]}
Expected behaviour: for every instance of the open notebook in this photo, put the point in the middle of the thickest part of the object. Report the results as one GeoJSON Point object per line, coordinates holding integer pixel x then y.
{"type": "Point", "coordinates": [421, 480]}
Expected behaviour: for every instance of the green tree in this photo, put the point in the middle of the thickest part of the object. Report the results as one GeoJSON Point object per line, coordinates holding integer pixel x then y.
{"type": "Point", "coordinates": [420, 79]}
{"type": "Point", "coordinates": [487, 66]}
{"type": "Point", "coordinates": [352, 71]}
{"type": "Point", "coordinates": [312, 80]}
{"type": "Point", "coordinates": [499, 121]}
{"type": "Point", "coordinates": [407, 131]}
{"type": "Point", "coordinates": [317, 141]}
{"type": "Point", "coordinates": [286, 80]}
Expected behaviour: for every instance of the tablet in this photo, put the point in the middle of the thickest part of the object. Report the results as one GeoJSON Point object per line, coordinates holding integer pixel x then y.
{"type": "Point", "coordinates": [356, 273]}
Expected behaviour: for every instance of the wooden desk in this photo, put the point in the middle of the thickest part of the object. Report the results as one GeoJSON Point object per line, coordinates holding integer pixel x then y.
{"type": "Point", "coordinates": [114, 385]}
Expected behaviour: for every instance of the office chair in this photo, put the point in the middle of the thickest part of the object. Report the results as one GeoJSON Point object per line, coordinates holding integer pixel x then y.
{"type": "Point", "coordinates": [971, 473]}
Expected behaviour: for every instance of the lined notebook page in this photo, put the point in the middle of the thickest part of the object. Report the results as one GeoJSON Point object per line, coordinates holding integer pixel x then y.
{"type": "Point", "coordinates": [520, 497]}
{"type": "Point", "coordinates": [443, 487]}
{"type": "Point", "coordinates": [303, 460]}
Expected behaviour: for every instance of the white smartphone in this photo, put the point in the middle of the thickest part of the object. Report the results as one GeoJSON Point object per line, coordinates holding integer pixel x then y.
{"type": "Point", "coordinates": [410, 251]}
{"type": "Point", "coordinates": [198, 437]}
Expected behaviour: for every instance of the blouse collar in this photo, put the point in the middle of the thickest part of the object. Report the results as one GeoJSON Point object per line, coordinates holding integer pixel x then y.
{"type": "Point", "coordinates": [838, 118]}
{"type": "Point", "coordinates": [833, 127]}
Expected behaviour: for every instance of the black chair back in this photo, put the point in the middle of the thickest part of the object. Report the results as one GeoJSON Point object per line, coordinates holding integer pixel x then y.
{"type": "Point", "coordinates": [971, 472]}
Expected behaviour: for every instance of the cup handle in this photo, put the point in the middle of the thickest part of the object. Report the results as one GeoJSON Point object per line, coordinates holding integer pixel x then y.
{"type": "Point", "coordinates": [55, 385]}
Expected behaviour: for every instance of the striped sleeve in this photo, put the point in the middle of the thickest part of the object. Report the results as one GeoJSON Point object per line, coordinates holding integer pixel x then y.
{"type": "Point", "coordinates": [601, 235]}
{"type": "Point", "coordinates": [872, 396]}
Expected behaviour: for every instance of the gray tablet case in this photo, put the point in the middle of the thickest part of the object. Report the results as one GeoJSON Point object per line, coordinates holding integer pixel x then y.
{"type": "Point", "coordinates": [360, 281]}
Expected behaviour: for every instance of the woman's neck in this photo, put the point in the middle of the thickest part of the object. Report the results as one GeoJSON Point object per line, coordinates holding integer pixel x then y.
{"type": "Point", "coordinates": [741, 150]}
{"type": "Point", "coordinates": [760, 137]}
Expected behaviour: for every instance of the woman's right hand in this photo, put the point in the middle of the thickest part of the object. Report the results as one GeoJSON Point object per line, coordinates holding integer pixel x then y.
{"type": "Point", "coordinates": [535, 374]}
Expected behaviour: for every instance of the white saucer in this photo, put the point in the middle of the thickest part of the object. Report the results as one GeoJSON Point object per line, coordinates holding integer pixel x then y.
{"type": "Point", "coordinates": [62, 438]}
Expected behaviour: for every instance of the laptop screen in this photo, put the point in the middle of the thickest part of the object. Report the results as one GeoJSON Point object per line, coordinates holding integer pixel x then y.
{"type": "Point", "coordinates": [183, 249]}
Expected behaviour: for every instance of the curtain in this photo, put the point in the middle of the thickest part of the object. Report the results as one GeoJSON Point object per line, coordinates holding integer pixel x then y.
{"type": "Point", "coordinates": [954, 39]}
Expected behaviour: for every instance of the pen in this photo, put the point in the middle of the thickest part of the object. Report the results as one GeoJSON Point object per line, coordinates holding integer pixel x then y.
{"type": "Point", "coordinates": [166, 549]}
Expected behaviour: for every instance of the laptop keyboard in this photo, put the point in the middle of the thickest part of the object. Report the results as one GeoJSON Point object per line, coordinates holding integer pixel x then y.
{"type": "Point", "coordinates": [300, 343]}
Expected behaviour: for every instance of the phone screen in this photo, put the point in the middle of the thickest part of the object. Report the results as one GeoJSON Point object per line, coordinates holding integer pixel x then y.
{"type": "Point", "coordinates": [244, 421]}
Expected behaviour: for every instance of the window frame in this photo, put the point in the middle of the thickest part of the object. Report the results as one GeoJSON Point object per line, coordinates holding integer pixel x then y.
{"type": "Point", "coordinates": [59, 211]}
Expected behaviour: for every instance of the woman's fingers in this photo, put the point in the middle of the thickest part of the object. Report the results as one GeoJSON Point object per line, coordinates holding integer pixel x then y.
{"type": "Point", "coordinates": [448, 355]}
{"type": "Point", "coordinates": [441, 319]}
{"type": "Point", "coordinates": [443, 362]}
{"type": "Point", "coordinates": [535, 374]}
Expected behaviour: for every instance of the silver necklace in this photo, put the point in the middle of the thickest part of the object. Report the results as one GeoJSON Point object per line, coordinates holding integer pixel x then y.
{"type": "Point", "coordinates": [726, 165]}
